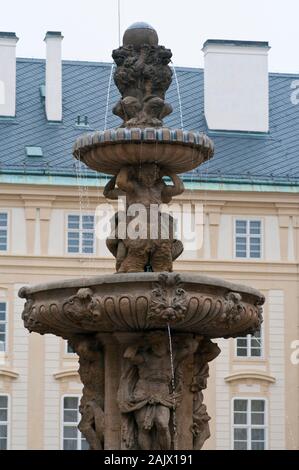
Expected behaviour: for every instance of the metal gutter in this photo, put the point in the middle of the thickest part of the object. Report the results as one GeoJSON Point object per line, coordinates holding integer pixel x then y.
{"type": "Point", "coordinates": [208, 184]}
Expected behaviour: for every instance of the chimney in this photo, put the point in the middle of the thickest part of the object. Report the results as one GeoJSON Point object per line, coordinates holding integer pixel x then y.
{"type": "Point", "coordinates": [53, 76]}
{"type": "Point", "coordinates": [8, 43]}
{"type": "Point", "coordinates": [236, 85]}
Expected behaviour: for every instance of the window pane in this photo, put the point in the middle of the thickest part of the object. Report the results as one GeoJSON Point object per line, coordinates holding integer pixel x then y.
{"type": "Point", "coordinates": [255, 247]}
{"type": "Point", "coordinates": [3, 430]}
{"type": "Point", "coordinates": [258, 446]}
{"type": "Point", "coordinates": [87, 249]}
{"type": "Point", "coordinates": [88, 222]}
{"type": "Point", "coordinates": [71, 403]}
{"type": "Point", "coordinates": [256, 352]}
{"type": "Point", "coordinates": [73, 249]}
{"type": "Point", "coordinates": [70, 349]}
{"type": "Point", "coordinates": [84, 444]}
{"type": "Point", "coordinates": [242, 342]}
{"type": "Point", "coordinates": [255, 226]}
{"type": "Point", "coordinates": [70, 416]}
{"type": "Point", "coordinates": [70, 432]}
{"type": "Point", "coordinates": [3, 444]}
{"type": "Point", "coordinates": [73, 235]}
{"type": "Point", "coordinates": [70, 444]}
{"type": "Point", "coordinates": [257, 434]}
{"type": "Point", "coordinates": [240, 434]}
{"type": "Point", "coordinates": [2, 327]}
{"type": "Point", "coordinates": [240, 418]}
{"type": "Point", "coordinates": [240, 446]}
{"type": "Point", "coordinates": [240, 405]}
{"type": "Point", "coordinates": [87, 236]}
{"type": "Point", "coordinates": [242, 352]}
{"type": "Point", "coordinates": [255, 342]}
{"type": "Point", "coordinates": [241, 226]}
{"type": "Point", "coordinates": [3, 401]}
{"type": "Point", "coordinates": [74, 221]}
{"type": "Point", "coordinates": [257, 405]}
{"type": "Point", "coordinates": [257, 418]}
{"type": "Point", "coordinates": [3, 415]}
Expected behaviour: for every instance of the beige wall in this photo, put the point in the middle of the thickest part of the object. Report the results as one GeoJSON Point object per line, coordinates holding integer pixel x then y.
{"type": "Point", "coordinates": [37, 372]}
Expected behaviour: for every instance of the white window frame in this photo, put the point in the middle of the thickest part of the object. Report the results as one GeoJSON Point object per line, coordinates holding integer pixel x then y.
{"type": "Point", "coordinates": [62, 423]}
{"type": "Point", "coordinates": [248, 219]}
{"type": "Point", "coordinates": [266, 420]}
{"type": "Point", "coordinates": [4, 211]}
{"type": "Point", "coordinates": [248, 346]}
{"type": "Point", "coordinates": [80, 253]}
{"type": "Point", "coordinates": [4, 301]}
{"type": "Point", "coordinates": [8, 418]}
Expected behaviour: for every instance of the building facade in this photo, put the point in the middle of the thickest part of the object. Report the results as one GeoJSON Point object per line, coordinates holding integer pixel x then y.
{"type": "Point", "coordinates": [249, 194]}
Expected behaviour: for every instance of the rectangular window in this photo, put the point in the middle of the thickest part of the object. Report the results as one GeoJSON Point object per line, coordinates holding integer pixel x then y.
{"type": "Point", "coordinates": [3, 422]}
{"type": "Point", "coordinates": [250, 345]}
{"type": "Point", "coordinates": [80, 234]}
{"type": "Point", "coordinates": [248, 239]}
{"type": "Point", "coordinates": [3, 327]}
{"type": "Point", "coordinates": [72, 438]}
{"type": "Point", "coordinates": [249, 424]}
{"type": "Point", "coordinates": [3, 231]}
{"type": "Point", "coordinates": [68, 348]}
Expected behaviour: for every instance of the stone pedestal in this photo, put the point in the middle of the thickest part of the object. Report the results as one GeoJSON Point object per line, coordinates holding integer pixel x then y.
{"type": "Point", "coordinates": [144, 391]}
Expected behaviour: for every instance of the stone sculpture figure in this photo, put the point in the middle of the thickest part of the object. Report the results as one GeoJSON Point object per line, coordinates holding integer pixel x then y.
{"type": "Point", "coordinates": [206, 352]}
{"type": "Point", "coordinates": [144, 186]}
{"type": "Point", "coordinates": [91, 373]}
{"type": "Point", "coordinates": [142, 76]}
{"type": "Point", "coordinates": [145, 393]}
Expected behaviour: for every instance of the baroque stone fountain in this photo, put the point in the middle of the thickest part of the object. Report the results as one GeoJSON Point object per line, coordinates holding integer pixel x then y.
{"type": "Point", "coordinates": [143, 335]}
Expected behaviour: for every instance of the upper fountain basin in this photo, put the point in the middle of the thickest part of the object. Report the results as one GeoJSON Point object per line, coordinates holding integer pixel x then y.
{"type": "Point", "coordinates": [175, 150]}
{"type": "Point", "coordinates": [142, 301]}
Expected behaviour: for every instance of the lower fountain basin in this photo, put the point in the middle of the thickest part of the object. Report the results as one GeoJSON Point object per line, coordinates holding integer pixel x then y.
{"type": "Point", "coordinates": [175, 150]}
{"type": "Point", "coordinates": [142, 301]}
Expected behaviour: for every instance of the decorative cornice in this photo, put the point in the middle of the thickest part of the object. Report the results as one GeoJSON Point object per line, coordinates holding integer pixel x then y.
{"type": "Point", "coordinates": [66, 374]}
{"type": "Point", "coordinates": [251, 375]}
{"type": "Point", "coordinates": [9, 373]}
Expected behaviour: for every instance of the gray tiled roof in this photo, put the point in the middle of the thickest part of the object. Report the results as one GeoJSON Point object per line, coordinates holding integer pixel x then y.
{"type": "Point", "coordinates": [273, 157]}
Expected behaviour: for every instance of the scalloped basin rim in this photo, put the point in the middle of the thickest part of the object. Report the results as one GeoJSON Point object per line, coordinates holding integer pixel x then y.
{"type": "Point", "coordinates": [197, 279]}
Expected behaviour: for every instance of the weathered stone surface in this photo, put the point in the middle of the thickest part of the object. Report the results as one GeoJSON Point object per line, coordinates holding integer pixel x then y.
{"type": "Point", "coordinates": [174, 150]}
{"type": "Point", "coordinates": [142, 76]}
{"type": "Point", "coordinates": [137, 301]}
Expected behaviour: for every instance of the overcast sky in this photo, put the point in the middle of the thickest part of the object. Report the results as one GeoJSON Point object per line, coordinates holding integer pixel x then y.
{"type": "Point", "coordinates": [90, 27]}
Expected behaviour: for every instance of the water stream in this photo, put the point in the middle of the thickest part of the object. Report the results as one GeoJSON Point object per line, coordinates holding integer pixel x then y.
{"type": "Point", "coordinates": [179, 95]}
{"type": "Point", "coordinates": [108, 96]}
{"type": "Point", "coordinates": [175, 434]}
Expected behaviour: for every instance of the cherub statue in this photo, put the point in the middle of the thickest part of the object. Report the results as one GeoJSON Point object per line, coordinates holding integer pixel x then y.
{"type": "Point", "coordinates": [144, 186]}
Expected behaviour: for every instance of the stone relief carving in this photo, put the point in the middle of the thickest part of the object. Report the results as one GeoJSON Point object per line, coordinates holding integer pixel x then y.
{"type": "Point", "coordinates": [233, 308]}
{"type": "Point", "coordinates": [30, 317]}
{"type": "Point", "coordinates": [145, 396]}
{"type": "Point", "coordinates": [142, 76]}
{"type": "Point", "coordinates": [82, 306]}
{"type": "Point", "coordinates": [148, 238]}
{"type": "Point", "coordinates": [168, 300]}
{"type": "Point", "coordinates": [206, 352]}
{"type": "Point", "coordinates": [91, 371]}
